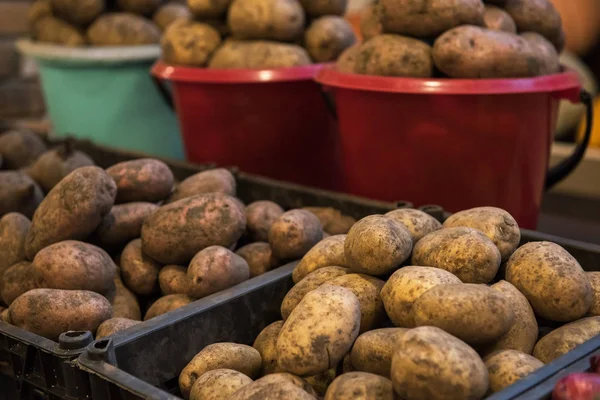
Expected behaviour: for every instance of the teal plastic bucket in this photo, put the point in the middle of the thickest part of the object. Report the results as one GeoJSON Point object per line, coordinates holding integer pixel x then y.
{"type": "Point", "coordinates": [106, 95]}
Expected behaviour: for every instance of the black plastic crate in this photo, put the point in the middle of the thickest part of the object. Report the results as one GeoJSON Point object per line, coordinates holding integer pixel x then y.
{"type": "Point", "coordinates": [145, 361]}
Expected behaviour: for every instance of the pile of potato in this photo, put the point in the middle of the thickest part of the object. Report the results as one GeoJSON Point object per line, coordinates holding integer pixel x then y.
{"type": "Point", "coordinates": [258, 34]}
{"type": "Point", "coordinates": [76, 23]}
{"type": "Point", "coordinates": [405, 307]}
{"type": "Point", "coordinates": [83, 248]}
{"type": "Point", "coordinates": [457, 39]}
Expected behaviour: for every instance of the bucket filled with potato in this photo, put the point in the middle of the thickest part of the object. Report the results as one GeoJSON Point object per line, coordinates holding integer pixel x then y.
{"type": "Point", "coordinates": [445, 96]}
{"type": "Point", "coordinates": [93, 58]}
{"type": "Point", "coordinates": [243, 72]}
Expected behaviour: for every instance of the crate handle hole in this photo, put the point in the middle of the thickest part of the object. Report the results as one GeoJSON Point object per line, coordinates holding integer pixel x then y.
{"type": "Point", "coordinates": [101, 344]}
{"type": "Point", "coordinates": [75, 333]}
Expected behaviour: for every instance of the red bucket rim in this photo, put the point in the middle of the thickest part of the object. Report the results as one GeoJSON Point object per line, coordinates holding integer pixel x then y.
{"type": "Point", "coordinates": [204, 75]}
{"type": "Point", "coordinates": [564, 81]}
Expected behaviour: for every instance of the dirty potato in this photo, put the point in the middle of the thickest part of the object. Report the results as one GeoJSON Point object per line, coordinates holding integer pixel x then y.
{"type": "Point", "coordinates": [13, 232]}
{"type": "Point", "coordinates": [465, 252]}
{"type": "Point", "coordinates": [552, 280]}
{"type": "Point", "coordinates": [593, 278]}
{"type": "Point", "coordinates": [346, 63]}
{"type": "Point", "coordinates": [333, 221]}
{"type": "Point", "coordinates": [474, 313]}
{"type": "Point", "coordinates": [74, 265]}
{"type": "Point", "coordinates": [175, 233]}
{"type": "Point", "coordinates": [19, 193]}
{"type": "Point", "coordinates": [38, 10]}
{"type": "Point", "coordinates": [214, 269]}
{"type": "Point", "coordinates": [172, 279]}
{"type": "Point", "coordinates": [269, 389]}
{"type": "Point", "coordinates": [394, 55]}
{"type": "Point", "coordinates": [328, 252]}
{"type": "Point", "coordinates": [259, 257]}
{"type": "Point", "coordinates": [218, 384]}
{"type": "Point", "coordinates": [260, 215]}
{"type": "Point", "coordinates": [535, 16]}
{"type": "Point", "coordinates": [123, 223]}
{"type": "Point", "coordinates": [370, 21]}
{"type": "Point", "coordinates": [20, 148]}
{"type": "Point", "coordinates": [294, 233]}
{"type": "Point", "coordinates": [167, 303]}
{"type": "Point", "coordinates": [50, 312]}
{"type": "Point", "coordinates": [317, 8]}
{"type": "Point", "coordinates": [258, 54]}
{"type": "Point", "coordinates": [72, 210]}
{"type": "Point", "coordinates": [361, 385]}
{"type": "Point", "coordinates": [122, 29]}
{"type": "Point", "coordinates": [217, 180]}
{"type": "Point", "coordinates": [417, 222]}
{"type": "Point", "coordinates": [429, 363]}
{"type": "Point", "coordinates": [16, 280]}
{"type": "Point", "coordinates": [266, 344]}
{"type": "Point", "coordinates": [547, 55]}
{"type": "Point", "coordinates": [55, 164]}
{"type": "Point", "coordinates": [327, 37]}
{"type": "Point", "coordinates": [124, 303]}
{"type": "Point", "coordinates": [372, 352]}
{"type": "Point", "coordinates": [145, 180]}
{"type": "Point", "coordinates": [508, 366]}
{"type": "Point", "coordinates": [237, 357]}
{"type": "Point", "coordinates": [78, 12]}
{"type": "Point", "coordinates": [564, 339]}
{"type": "Point", "coordinates": [281, 20]}
{"type": "Point", "coordinates": [169, 13]}
{"type": "Point", "coordinates": [319, 332]}
{"type": "Point", "coordinates": [208, 9]}
{"type": "Point", "coordinates": [279, 377]}
{"type": "Point", "coordinates": [391, 238]}
{"type": "Point", "coordinates": [114, 325]}
{"type": "Point", "coordinates": [140, 272]}
{"type": "Point", "coordinates": [496, 19]}
{"type": "Point", "coordinates": [405, 286]}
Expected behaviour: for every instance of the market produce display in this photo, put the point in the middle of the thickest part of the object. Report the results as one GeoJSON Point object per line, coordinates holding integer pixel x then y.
{"type": "Point", "coordinates": [258, 34]}
{"type": "Point", "coordinates": [75, 23]}
{"type": "Point", "coordinates": [457, 39]}
{"type": "Point", "coordinates": [83, 248]}
{"type": "Point", "coordinates": [402, 306]}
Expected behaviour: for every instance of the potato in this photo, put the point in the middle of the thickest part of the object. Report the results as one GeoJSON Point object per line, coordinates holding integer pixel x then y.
{"type": "Point", "coordinates": [20, 148]}
{"type": "Point", "coordinates": [327, 37]}
{"type": "Point", "coordinates": [370, 21]}
{"type": "Point", "coordinates": [405, 286]}
{"type": "Point", "coordinates": [172, 279]}
{"type": "Point", "coordinates": [368, 290]}
{"type": "Point", "coordinates": [56, 31]}
{"type": "Point", "coordinates": [13, 232]}
{"type": "Point", "coordinates": [206, 9]}
{"type": "Point", "coordinates": [50, 312]}
{"type": "Point", "coordinates": [281, 20]}
{"type": "Point", "coordinates": [142, 7]}
{"type": "Point", "coordinates": [17, 279]}
{"type": "Point", "coordinates": [564, 339]}
{"type": "Point", "coordinates": [495, 223]}
{"type": "Point", "coordinates": [473, 313]}
{"type": "Point", "coordinates": [124, 303]}
{"type": "Point", "coordinates": [260, 216]}
{"type": "Point", "coordinates": [360, 385]}
{"type": "Point", "coordinates": [508, 366]}
{"type": "Point", "coordinates": [214, 269]}
{"type": "Point", "coordinates": [429, 18]}
{"type": "Point", "coordinates": [333, 221]}
{"type": "Point", "coordinates": [372, 352]}
{"type": "Point", "coordinates": [319, 332]}
{"type": "Point", "coordinates": [417, 222]}
{"type": "Point", "coordinates": [328, 252]}
{"type": "Point", "coordinates": [552, 280]}
{"type": "Point", "coordinates": [496, 19]}
{"type": "Point", "coordinates": [546, 53]}
{"type": "Point", "coordinates": [321, 382]}
{"type": "Point", "coordinates": [310, 283]}
{"type": "Point", "coordinates": [140, 272]}
{"type": "Point", "coordinates": [535, 16]}
{"type": "Point", "coordinates": [465, 252]}
{"type": "Point", "coordinates": [258, 55]}
{"type": "Point", "coordinates": [217, 180]}
{"type": "Point", "coordinates": [176, 40]}
{"type": "Point", "coordinates": [169, 13]}
{"type": "Point", "coordinates": [54, 165]}
{"type": "Point", "coordinates": [390, 239]}
{"type": "Point", "coordinates": [317, 8]}
{"type": "Point", "coordinates": [346, 63]}
{"type": "Point", "coordinates": [72, 210]}
{"type": "Point", "coordinates": [78, 12]}
{"type": "Point", "coordinates": [5, 316]}
{"type": "Point", "coordinates": [167, 303]}
{"type": "Point", "coordinates": [259, 257]}
{"type": "Point", "coordinates": [38, 10]}
{"type": "Point", "coordinates": [175, 233]}
{"type": "Point", "coordinates": [523, 333]}
{"type": "Point", "coordinates": [429, 363]}
{"type": "Point", "coordinates": [74, 265]}
{"type": "Point", "coordinates": [266, 389]}
{"type": "Point", "coordinates": [237, 357]}
{"type": "Point", "coordinates": [294, 233]}
{"type": "Point", "coordinates": [114, 325]}
{"type": "Point", "coordinates": [142, 180]}
{"type": "Point", "coordinates": [123, 223]}
{"type": "Point", "coordinates": [474, 52]}
{"type": "Point", "coordinates": [266, 344]}
{"type": "Point", "coordinates": [593, 277]}
{"type": "Point", "coordinates": [218, 384]}
{"type": "Point", "coordinates": [287, 377]}
{"type": "Point", "coordinates": [394, 55]}
{"type": "Point", "coordinates": [19, 193]}
{"type": "Point", "coordinates": [122, 29]}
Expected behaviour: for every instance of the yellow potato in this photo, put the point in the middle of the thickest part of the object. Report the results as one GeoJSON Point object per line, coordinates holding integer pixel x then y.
{"type": "Point", "coordinates": [328, 252]}
{"type": "Point", "coordinates": [172, 279]}
{"type": "Point", "coordinates": [266, 344]}
{"type": "Point", "coordinates": [594, 279]}
{"type": "Point", "coordinates": [167, 303]}
{"type": "Point", "coordinates": [360, 385]}
{"type": "Point", "coordinates": [508, 366]}
{"type": "Point", "coordinates": [281, 20]}
{"type": "Point", "coordinates": [218, 180]}
{"type": "Point", "coordinates": [189, 43]}
{"type": "Point", "coordinates": [218, 384]}
{"type": "Point", "coordinates": [114, 325]}
{"type": "Point", "coordinates": [206, 9]}
{"type": "Point", "coordinates": [333, 221]}
{"type": "Point", "coordinates": [294, 233]}
{"type": "Point", "coordinates": [320, 382]}
{"type": "Point", "coordinates": [122, 29]}
{"type": "Point", "coordinates": [140, 272]}
{"type": "Point", "coordinates": [259, 257]}
{"type": "Point", "coordinates": [417, 222]}
{"type": "Point", "coordinates": [287, 377]}
{"type": "Point", "coordinates": [564, 339]}
{"type": "Point", "coordinates": [372, 352]}
{"type": "Point", "coordinates": [347, 60]}
{"type": "Point", "coordinates": [169, 13]}
{"type": "Point", "coordinates": [266, 389]}
{"type": "Point", "coordinates": [78, 12]}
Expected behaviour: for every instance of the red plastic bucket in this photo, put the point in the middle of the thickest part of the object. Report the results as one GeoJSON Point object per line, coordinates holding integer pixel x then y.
{"type": "Point", "coordinates": [457, 143]}
{"type": "Point", "coordinates": [268, 122]}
